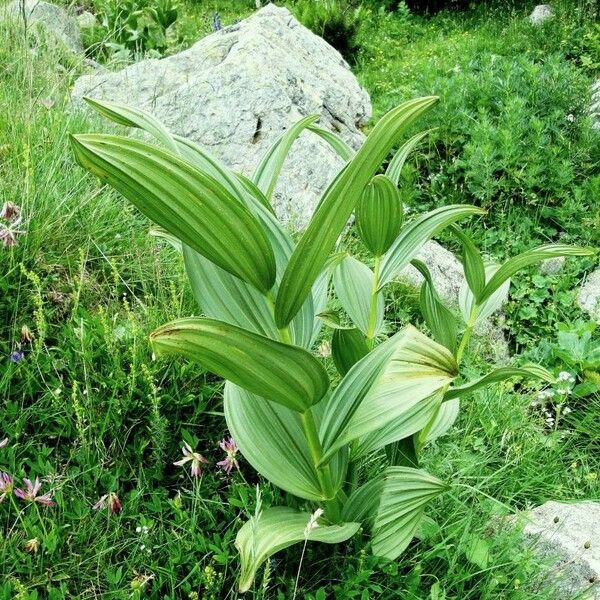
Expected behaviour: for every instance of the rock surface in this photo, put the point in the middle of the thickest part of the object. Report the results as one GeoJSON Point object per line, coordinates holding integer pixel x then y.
{"type": "Point", "coordinates": [552, 266]}
{"type": "Point", "coordinates": [595, 106]}
{"type": "Point", "coordinates": [588, 298]}
{"type": "Point", "coordinates": [237, 90]}
{"type": "Point", "coordinates": [86, 19]}
{"type": "Point", "coordinates": [567, 538]}
{"type": "Point", "coordinates": [541, 13]}
{"type": "Point", "coordinates": [446, 271]}
{"type": "Point", "coordinates": [54, 19]}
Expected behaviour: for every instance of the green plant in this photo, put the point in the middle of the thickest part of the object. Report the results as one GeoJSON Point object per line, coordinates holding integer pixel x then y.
{"type": "Point", "coordinates": [336, 21]}
{"type": "Point", "coordinates": [134, 26]}
{"type": "Point", "coordinates": [260, 294]}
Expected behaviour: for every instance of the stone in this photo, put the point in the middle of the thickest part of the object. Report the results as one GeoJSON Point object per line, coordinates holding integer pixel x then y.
{"type": "Point", "coordinates": [594, 109]}
{"type": "Point", "coordinates": [54, 19]}
{"type": "Point", "coordinates": [567, 538]}
{"type": "Point", "coordinates": [446, 271]}
{"type": "Point", "coordinates": [237, 90]}
{"type": "Point", "coordinates": [86, 19]}
{"type": "Point", "coordinates": [540, 14]}
{"type": "Point", "coordinates": [588, 298]}
{"type": "Point", "coordinates": [552, 266]}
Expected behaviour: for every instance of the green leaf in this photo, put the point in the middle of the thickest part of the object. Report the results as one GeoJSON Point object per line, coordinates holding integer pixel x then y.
{"type": "Point", "coordinates": [442, 421]}
{"type": "Point", "coordinates": [271, 439]}
{"type": "Point", "coordinates": [277, 528]}
{"type": "Point", "coordinates": [387, 383]}
{"type": "Point", "coordinates": [379, 215]}
{"type": "Point", "coordinates": [515, 264]}
{"type": "Point", "coordinates": [405, 494]}
{"type": "Point", "coordinates": [337, 205]}
{"type": "Point", "coordinates": [189, 204]}
{"type": "Point", "coordinates": [224, 297]}
{"type": "Point", "coordinates": [332, 319]}
{"type": "Point", "coordinates": [478, 551]}
{"type": "Point", "coordinates": [473, 314]}
{"type": "Point", "coordinates": [438, 317]}
{"type": "Point", "coordinates": [353, 284]}
{"type": "Point", "coordinates": [134, 117]}
{"type": "Point", "coordinates": [500, 374]}
{"type": "Point", "coordinates": [363, 502]}
{"type": "Point", "coordinates": [162, 234]}
{"type": "Point", "coordinates": [267, 172]}
{"type": "Point", "coordinates": [411, 421]}
{"type": "Point", "coordinates": [416, 233]}
{"type": "Point", "coordinates": [337, 143]}
{"type": "Point", "coordinates": [348, 346]}
{"type": "Point", "coordinates": [278, 372]}
{"type": "Point", "coordinates": [394, 168]}
{"type": "Point", "coordinates": [473, 265]}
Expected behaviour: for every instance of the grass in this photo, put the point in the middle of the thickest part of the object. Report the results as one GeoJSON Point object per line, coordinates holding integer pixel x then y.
{"type": "Point", "coordinates": [90, 412]}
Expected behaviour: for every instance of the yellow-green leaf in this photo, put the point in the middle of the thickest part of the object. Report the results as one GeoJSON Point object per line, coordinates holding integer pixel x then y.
{"type": "Point", "coordinates": [278, 372]}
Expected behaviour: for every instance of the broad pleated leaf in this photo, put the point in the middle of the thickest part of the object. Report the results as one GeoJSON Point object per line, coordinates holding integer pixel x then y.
{"type": "Point", "coordinates": [387, 383]}
{"type": "Point", "coordinates": [186, 149]}
{"type": "Point", "coordinates": [267, 172]}
{"type": "Point", "coordinates": [415, 418]}
{"type": "Point", "coordinates": [188, 203]}
{"type": "Point", "coordinates": [473, 265]}
{"type": "Point", "coordinates": [277, 528]}
{"type": "Point", "coordinates": [337, 143]}
{"type": "Point", "coordinates": [416, 233]}
{"type": "Point", "coordinates": [224, 297]}
{"type": "Point", "coordinates": [362, 505]}
{"type": "Point", "coordinates": [348, 346]}
{"type": "Point", "coordinates": [163, 234]}
{"type": "Point", "coordinates": [279, 372]}
{"type": "Point", "coordinates": [271, 439]}
{"type": "Point", "coordinates": [353, 284]}
{"type": "Point", "coordinates": [466, 300]}
{"type": "Point", "coordinates": [405, 494]}
{"type": "Point", "coordinates": [131, 116]}
{"type": "Point", "coordinates": [394, 168]}
{"type": "Point", "coordinates": [442, 421]}
{"type": "Point", "coordinates": [336, 206]}
{"type": "Point", "coordinates": [438, 317]}
{"type": "Point", "coordinates": [529, 371]}
{"type": "Point", "coordinates": [379, 215]}
{"type": "Point", "coordinates": [515, 264]}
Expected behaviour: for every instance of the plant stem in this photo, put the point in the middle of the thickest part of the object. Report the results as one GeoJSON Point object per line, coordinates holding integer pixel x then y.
{"type": "Point", "coordinates": [466, 335]}
{"type": "Point", "coordinates": [373, 306]}
{"type": "Point", "coordinates": [316, 451]}
{"type": "Point", "coordinates": [312, 436]}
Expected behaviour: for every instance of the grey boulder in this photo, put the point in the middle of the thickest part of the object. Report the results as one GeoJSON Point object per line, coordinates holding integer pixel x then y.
{"type": "Point", "coordinates": [595, 106]}
{"type": "Point", "coordinates": [237, 90]}
{"type": "Point", "coordinates": [567, 538]}
{"type": "Point", "coordinates": [588, 298]}
{"type": "Point", "coordinates": [54, 19]}
{"type": "Point", "coordinates": [540, 14]}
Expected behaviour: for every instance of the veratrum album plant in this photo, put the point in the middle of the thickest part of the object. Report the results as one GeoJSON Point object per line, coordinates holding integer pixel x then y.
{"type": "Point", "coordinates": [264, 300]}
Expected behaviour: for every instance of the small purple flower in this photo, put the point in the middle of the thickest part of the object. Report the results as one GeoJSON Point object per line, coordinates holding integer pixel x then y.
{"type": "Point", "coordinates": [111, 500]}
{"type": "Point", "coordinates": [17, 356]}
{"type": "Point", "coordinates": [26, 335]}
{"type": "Point", "coordinates": [30, 493]}
{"type": "Point", "coordinates": [8, 236]}
{"type": "Point", "coordinates": [230, 461]}
{"type": "Point", "coordinates": [10, 212]}
{"type": "Point", "coordinates": [195, 458]}
{"type": "Point", "coordinates": [6, 485]}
